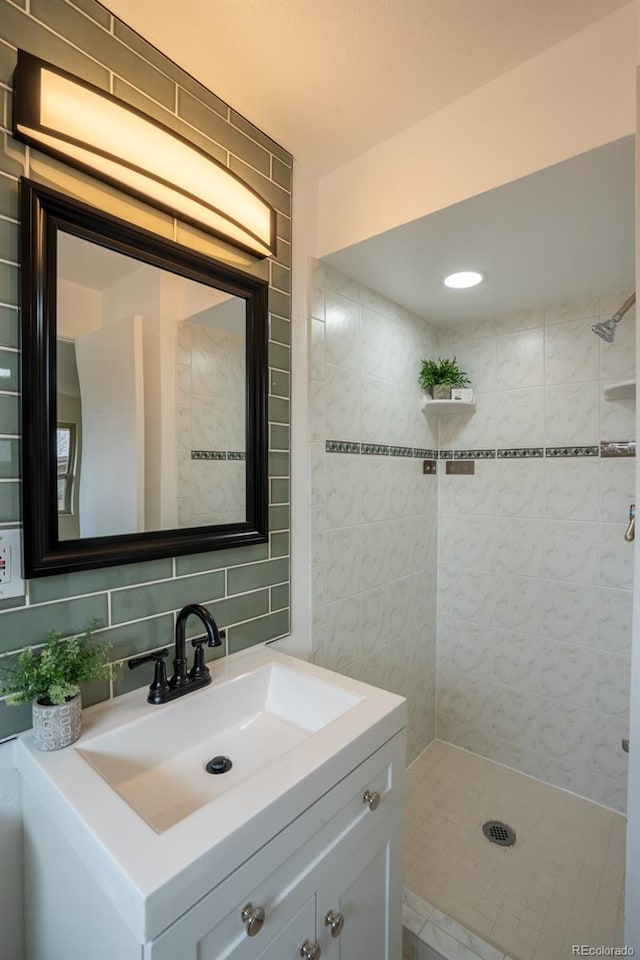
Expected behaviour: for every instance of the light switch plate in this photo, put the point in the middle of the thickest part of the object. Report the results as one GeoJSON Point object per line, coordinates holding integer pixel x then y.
{"type": "Point", "coordinates": [11, 582]}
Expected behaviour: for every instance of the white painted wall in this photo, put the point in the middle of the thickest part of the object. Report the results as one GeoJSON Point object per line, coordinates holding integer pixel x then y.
{"type": "Point", "coordinates": [575, 96]}
{"type": "Point", "coordinates": [11, 905]}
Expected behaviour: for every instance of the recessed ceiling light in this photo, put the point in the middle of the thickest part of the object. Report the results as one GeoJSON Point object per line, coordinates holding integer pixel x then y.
{"type": "Point", "coordinates": [463, 279]}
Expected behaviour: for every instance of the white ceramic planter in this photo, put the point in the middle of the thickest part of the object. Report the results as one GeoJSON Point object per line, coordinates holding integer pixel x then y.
{"type": "Point", "coordinates": [57, 727]}
{"type": "Point", "coordinates": [441, 392]}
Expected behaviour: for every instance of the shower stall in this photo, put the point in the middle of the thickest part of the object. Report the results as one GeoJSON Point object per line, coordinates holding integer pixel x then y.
{"type": "Point", "coordinates": [498, 600]}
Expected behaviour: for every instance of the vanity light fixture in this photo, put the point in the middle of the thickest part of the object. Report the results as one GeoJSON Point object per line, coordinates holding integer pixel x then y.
{"type": "Point", "coordinates": [104, 136]}
{"type": "Point", "coordinates": [463, 279]}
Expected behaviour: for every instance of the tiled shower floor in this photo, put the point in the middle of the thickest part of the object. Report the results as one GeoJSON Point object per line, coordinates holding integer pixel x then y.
{"type": "Point", "coordinates": [560, 884]}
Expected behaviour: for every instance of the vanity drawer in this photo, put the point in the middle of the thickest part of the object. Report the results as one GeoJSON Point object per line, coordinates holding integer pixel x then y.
{"type": "Point", "coordinates": [281, 877]}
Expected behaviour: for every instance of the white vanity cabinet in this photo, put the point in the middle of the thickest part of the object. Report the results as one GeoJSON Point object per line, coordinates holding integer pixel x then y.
{"type": "Point", "coordinates": [346, 861]}
{"type": "Point", "coordinates": [305, 833]}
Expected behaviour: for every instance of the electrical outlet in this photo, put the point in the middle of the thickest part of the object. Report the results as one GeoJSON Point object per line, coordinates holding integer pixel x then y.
{"type": "Point", "coordinates": [11, 582]}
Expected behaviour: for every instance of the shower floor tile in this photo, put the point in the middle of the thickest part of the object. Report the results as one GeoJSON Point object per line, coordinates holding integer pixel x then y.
{"type": "Point", "coordinates": [560, 884]}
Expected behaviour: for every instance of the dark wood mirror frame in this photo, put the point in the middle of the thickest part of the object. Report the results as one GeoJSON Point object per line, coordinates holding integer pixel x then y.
{"type": "Point", "coordinates": [43, 213]}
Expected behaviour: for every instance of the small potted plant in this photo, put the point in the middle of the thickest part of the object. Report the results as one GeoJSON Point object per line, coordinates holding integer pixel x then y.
{"type": "Point", "coordinates": [50, 678]}
{"type": "Point", "coordinates": [437, 377]}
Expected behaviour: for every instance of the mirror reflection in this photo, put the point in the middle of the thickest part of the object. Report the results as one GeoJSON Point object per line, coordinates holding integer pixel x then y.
{"type": "Point", "coordinates": [151, 397]}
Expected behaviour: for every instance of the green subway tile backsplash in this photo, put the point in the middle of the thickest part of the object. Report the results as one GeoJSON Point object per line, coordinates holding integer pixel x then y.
{"type": "Point", "coordinates": [279, 302]}
{"type": "Point", "coordinates": [237, 609]}
{"type": "Point", "coordinates": [88, 36]}
{"type": "Point", "coordinates": [197, 562]}
{"type": "Point", "coordinates": [9, 283]}
{"type": "Point", "coordinates": [9, 414]}
{"type": "Point", "coordinates": [245, 587]}
{"type": "Point", "coordinates": [280, 330]}
{"type": "Point", "coordinates": [14, 720]}
{"type": "Point", "coordinates": [167, 595]}
{"type": "Point", "coordinates": [278, 437]}
{"type": "Point", "coordinates": [94, 581]}
{"type": "Point", "coordinates": [30, 625]}
{"type": "Point", "coordinates": [239, 121]}
{"type": "Point", "coordinates": [279, 355]}
{"type": "Point", "coordinates": [9, 501]}
{"type": "Point", "coordinates": [8, 197]}
{"type": "Point", "coordinates": [22, 31]}
{"type": "Point", "coordinates": [241, 579]}
{"type": "Point", "coordinates": [133, 638]}
{"type": "Point", "coordinates": [9, 458]}
{"type": "Point", "coordinates": [280, 596]}
{"type": "Point", "coordinates": [95, 10]}
{"type": "Point", "coordinates": [8, 60]}
{"type": "Point", "coordinates": [280, 544]}
{"type": "Point", "coordinates": [200, 116]}
{"type": "Point", "coordinates": [9, 374]}
{"type": "Point", "coordinates": [258, 631]}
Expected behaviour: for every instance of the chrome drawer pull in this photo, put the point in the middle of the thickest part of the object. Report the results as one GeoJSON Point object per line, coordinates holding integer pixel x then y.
{"type": "Point", "coordinates": [335, 921]}
{"type": "Point", "coordinates": [253, 919]}
{"type": "Point", "coordinates": [309, 952]}
{"type": "Point", "coordinates": [372, 798]}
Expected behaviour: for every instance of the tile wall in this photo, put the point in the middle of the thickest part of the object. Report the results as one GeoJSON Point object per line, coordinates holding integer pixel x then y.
{"type": "Point", "coordinates": [248, 588]}
{"type": "Point", "coordinates": [535, 577]}
{"type": "Point", "coordinates": [373, 511]}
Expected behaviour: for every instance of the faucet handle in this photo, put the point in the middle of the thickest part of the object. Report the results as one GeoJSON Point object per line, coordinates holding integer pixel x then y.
{"type": "Point", "coordinates": [160, 685]}
{"type": "Point", "coordinates": [199, 670]}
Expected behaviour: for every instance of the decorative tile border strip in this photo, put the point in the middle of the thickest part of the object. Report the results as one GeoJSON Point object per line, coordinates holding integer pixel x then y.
{"type": "Point", "coordinates": [218, 455]}
{"type": "Point", "coordinates": [376, 449]}
{"type": "Point", "coordinates": [423, 453]}
{"type": "Point", "coordinates": [342, 446]}
{"type": "Point", "coordinates": [571, 451]}
{"type": "Point", "coordinates": [474, 454]}
{"type": "Point", "coordinates": [520, 453]}
{"type": "Point", "coordinates": [614, 448]}
{"type": "Point", "coordinates": [607, 448]}
{"type": "Point", "coordinates": [208, 454]}
{"type": "Point", "coordinates": [401, 451]}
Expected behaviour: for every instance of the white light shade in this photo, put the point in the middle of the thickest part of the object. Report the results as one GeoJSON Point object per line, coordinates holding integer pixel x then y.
{"type": "Point", "coordinates": [463, 279]}
{"type": "Point", "coordinates": [99, 133]}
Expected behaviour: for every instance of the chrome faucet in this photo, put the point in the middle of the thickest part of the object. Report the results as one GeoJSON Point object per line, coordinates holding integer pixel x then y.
{"type": "Point", "coordinates": [183, 680]}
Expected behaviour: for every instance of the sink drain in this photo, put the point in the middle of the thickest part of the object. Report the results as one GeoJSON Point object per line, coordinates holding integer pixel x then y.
{"type": "Point", "coordinates": [498, 832]}
{"type": "Point", "coordinates": [219, 765]}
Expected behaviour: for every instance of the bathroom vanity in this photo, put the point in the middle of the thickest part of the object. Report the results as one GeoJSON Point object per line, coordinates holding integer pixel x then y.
{"type": "Point", "coordinates": [133, 850]}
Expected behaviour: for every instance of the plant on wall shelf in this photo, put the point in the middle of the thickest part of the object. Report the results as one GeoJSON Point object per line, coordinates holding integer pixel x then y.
{"type": "Point", "coordinates": [443, 374]}
{"type": "Point", "coordinates": [50, 678]}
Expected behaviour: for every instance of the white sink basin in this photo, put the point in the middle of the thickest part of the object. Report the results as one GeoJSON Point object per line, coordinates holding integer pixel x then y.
{"type": "Point", "coordinates": [134, 801]}
{"type": "Point", "coordinates": [158, 764]}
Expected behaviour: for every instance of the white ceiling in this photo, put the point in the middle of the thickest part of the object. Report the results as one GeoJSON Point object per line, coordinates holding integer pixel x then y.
{"type": "Point", "coordinates": [329, 79]}
{"type": "Point", "coordinates": [563, 233]}
{"type": "Point", "coordinates": [89, 264]}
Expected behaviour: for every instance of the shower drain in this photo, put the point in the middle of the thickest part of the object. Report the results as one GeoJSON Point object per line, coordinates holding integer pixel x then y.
{"type": "Point", "coordinates": [498, 832]}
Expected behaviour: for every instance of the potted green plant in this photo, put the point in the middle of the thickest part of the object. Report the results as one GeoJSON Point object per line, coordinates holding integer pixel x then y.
{"type": "Point", "coordinates": [50, 678]}
{"type": "Point", "coordinates": [437, 377]}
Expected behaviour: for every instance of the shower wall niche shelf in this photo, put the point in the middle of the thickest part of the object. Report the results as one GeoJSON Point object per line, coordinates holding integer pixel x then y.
{"type": "Point", "coordinates": [447, 406]}
{"type": "Point", "coordinates": [625, 390]}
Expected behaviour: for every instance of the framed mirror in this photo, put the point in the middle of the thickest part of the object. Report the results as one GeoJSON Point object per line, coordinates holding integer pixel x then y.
{"type": "Point", "coordinates": [144, 393]}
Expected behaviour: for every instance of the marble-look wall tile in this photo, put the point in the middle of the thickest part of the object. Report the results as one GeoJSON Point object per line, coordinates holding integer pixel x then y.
{"type": "Point", "coordinates": [571, 488]}
{"type": "Point", "coordinates": [520, 359]}
{"type": "Point", "coordinates": [342, 331]}
{"type": "Point", "coordinates": [616, 557]}
{"type": "Point", "coordinates": [520, 488]}
{"type": "Point", "coordinates": [572, 414]}
{"type": "Point", "coordinates": [570, 612]}
{"type": "Point", "coordinates": [520, 414]}
{"type": "Point", "coordinates": [615, 612]}
{"type": "Point", "coordinates": [342, 403]}
{"type": "Point", "coordinates": [572, 353]}
{"type": "Point", "coordinates": [571, 551]}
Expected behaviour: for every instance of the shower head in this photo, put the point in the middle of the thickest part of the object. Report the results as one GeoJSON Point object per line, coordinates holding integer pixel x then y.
{"type": "Point", "coordinates": [607, 329]}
